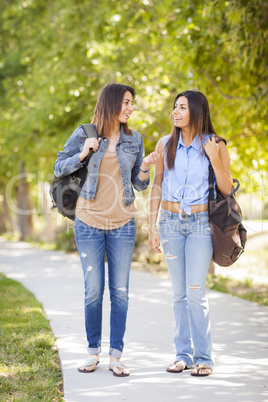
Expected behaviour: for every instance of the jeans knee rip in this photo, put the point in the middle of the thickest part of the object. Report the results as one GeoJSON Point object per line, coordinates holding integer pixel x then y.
{"type": "Point", "coordinates": [89, 269]}
{"type": "Point", "coordinates": [123, 289]}
{"type": "Point", "coordinates": [170, 256]}
{"type": "Point", "coordinates": [83, 255]}
{"type": "Point", "coordinates": [194, 287]}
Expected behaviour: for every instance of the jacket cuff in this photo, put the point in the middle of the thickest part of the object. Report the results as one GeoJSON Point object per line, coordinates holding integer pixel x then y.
{"type": "Point", "coordinates": [77, 163]}
{"type": "Point", "coordinates": [140, 185]}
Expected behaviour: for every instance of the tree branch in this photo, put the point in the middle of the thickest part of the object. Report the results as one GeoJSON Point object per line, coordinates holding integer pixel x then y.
{"type": "Point", "coordinates": [216, 86]}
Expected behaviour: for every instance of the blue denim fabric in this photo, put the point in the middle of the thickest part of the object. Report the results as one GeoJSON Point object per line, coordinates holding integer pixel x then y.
{"type": "Point", "coordinates": [130, 153]}
{"type": "Point", "coordinates": [118, 244]}
{"type": "Point", "coordinates": [187, 248]}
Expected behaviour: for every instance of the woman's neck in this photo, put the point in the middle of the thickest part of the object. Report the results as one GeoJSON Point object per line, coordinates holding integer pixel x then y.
{"type": "Point", "coordinates": [187, 136]}
{"type": "Point", "coordinates": [114, 131]}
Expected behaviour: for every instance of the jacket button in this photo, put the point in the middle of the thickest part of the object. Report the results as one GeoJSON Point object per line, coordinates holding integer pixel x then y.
{"type": "Point", "coordinates": [94, 165]}
{"type": "Point", "coordinates": [94, 180]}
{"type": "Point", "coordinates": [101, 150]}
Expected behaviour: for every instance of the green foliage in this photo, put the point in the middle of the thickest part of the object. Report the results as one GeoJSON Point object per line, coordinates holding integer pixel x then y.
{"type": "Point", "coordinates": [245, 290]}
{"type": "Point", "coordinates": [30, 368]}
{"type": "Point", "coordinates": [65, 241]}
{"type": "Point", "coordinates": [57, 55]}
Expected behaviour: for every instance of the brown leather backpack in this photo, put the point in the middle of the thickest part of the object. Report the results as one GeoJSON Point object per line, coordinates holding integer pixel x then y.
{"type": "Point", "coordinates": [229, 236]}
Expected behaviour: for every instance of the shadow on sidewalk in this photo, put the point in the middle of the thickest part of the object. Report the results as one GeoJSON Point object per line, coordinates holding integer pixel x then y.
{"type": "Point", "coordinates": [239, 331]}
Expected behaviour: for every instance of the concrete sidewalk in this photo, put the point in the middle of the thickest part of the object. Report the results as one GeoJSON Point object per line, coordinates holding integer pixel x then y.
{"type": "Point", "coordinates": [239, 330]}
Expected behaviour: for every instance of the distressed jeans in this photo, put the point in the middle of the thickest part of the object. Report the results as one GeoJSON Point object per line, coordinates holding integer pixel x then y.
{"type": "Point", "coordinates": [187, 248]}
{"type": "Point", "coordinates": [118, 244]}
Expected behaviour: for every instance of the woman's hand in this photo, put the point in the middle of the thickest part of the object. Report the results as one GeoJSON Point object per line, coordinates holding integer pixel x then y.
{"type": "Point", "coordinates": [154, 240]}
{"type": "Point", "coordinates": [90, 143]}
{"type": "Point", "coordinates": [150, 159]}
{"type": "Point", "coordinates": [211, 148]}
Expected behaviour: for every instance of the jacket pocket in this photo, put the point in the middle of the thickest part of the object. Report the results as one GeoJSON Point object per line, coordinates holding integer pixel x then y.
{"type": "Point", "coordinates": [132, 150]}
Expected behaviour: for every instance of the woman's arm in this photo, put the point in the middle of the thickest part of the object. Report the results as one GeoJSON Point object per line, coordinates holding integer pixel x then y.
{"type": "Point", "coordinates": [220, 160]}
{"type": "Point", "coordinates": [71, 159]}
{"type": "Point", "coordinates": [140, 179]}
{"type": "Point", "coordinates": [68, 160]}
{"type": "Point", "coordinates": [155, 199]}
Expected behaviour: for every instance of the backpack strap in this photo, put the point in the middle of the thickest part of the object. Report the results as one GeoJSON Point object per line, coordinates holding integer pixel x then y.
{"type": "Point", "coordinates": [210, 185]}
{"type": "Point", "coordinates": [211, 177]}
{"type": "Point", "coordinates": [211, 180]}
{"type": "Point", "coordinates": [219, 139]}
{"type": "Point", "coordinates": [90, 131]}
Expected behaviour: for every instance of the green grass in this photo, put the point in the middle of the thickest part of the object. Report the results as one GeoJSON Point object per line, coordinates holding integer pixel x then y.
{"type": "Point", "coordinates": [29, 364]}
{"type": "Point", "coordinates": [244, 289]}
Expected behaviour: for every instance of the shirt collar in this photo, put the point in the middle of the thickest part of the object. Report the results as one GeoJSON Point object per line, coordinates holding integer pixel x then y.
{"type": "Point", "coordinates": [196, 144]}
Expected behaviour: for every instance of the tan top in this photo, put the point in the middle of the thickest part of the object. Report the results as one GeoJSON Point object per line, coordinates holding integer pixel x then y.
{"type": "Point", "coordinates": [107, 210]}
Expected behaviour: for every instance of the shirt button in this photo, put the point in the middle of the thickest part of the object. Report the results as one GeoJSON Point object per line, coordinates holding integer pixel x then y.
{"type": "Point", "coordinates": [94, 165]}
{"type": "Point", "coordinates": [94, 180]}
{"type": "Point", "coordinates": [101, 150]}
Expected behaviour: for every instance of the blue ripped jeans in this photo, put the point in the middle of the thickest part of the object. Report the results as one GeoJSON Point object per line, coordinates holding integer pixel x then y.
{"type": "Point", "coordinates": [118, 244]}
{"type": "Point", "coordinates": [187, 248]}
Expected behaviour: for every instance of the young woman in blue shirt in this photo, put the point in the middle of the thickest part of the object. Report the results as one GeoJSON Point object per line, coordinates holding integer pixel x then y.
{"type": "Point", "coordinates": [181, 187]}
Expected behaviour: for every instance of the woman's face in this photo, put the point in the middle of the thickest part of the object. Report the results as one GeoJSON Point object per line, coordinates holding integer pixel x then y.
{"type": "Point", "coordinates": [127, 108]}
{"type": "Point", "coordinates": [181, 113]}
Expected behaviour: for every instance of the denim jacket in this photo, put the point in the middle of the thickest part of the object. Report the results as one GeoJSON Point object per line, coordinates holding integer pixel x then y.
{"type": "Point", "coordinates": [129, 150]}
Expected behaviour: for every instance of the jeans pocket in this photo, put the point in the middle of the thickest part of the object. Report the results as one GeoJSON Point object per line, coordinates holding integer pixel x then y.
{"type": "Point", "coordinates": [203, 217]}
{"type": "Point", "coordinates": [77, 221]}
{"type": "Point", "coordinates": [163, 217]}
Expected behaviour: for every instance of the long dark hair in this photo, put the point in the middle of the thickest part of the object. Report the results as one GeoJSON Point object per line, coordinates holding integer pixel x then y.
{"type": "Point", "coordinates": [200, 122]}
{"type": "Point", "coordinates": [108, 106]}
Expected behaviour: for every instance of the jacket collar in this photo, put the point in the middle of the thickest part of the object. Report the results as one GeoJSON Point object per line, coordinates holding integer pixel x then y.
{"type": "Point", "coordinates": [124, 137]}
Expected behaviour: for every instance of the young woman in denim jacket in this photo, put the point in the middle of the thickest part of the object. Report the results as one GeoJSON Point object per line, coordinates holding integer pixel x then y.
{"type": "Point", "coordinates": [181, 186]}
{"type": "Point", "coordinates": [105, 214]}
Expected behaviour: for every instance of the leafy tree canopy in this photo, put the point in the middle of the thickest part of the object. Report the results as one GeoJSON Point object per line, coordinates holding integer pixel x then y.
{"type": "Point", "coordinates": [58, 54]}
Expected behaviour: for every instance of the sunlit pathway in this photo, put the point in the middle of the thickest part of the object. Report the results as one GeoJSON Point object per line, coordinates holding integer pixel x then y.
{"type": "Point", "coordinates": [240, 334]}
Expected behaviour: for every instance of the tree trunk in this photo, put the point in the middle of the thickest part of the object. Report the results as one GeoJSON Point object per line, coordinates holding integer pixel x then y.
{"type": "Point", "coordinates": [6, 218]}
{"type": "Point", "coordinates": [24, 205]}
{"type": "Point", "coordinates": [211, 268]}
{"type": "Point", "coordinates": [3, 227]}
{"type": "Point", "coordinates": [49, 215]}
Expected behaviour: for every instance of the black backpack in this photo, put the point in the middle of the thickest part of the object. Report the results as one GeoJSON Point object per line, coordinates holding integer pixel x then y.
{"type": "Point", "coordinates": [65, 191]}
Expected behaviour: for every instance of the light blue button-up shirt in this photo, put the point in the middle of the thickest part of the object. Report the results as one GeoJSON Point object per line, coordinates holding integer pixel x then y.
{"type": "Point", "coordinates": [187, 183]}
